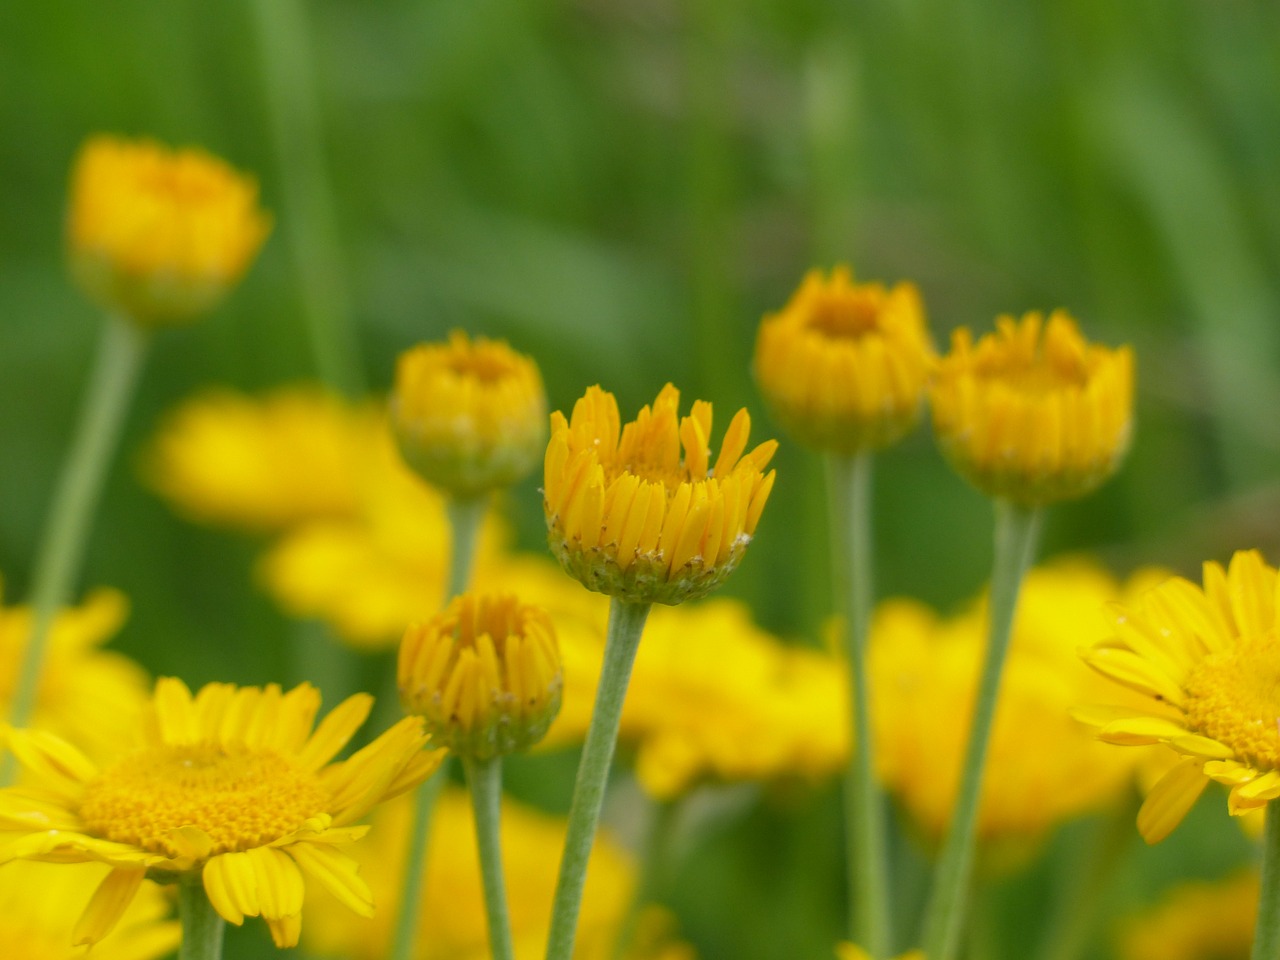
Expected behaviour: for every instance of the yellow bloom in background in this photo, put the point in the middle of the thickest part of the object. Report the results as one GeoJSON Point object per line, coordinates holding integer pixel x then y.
{"type": "Point", "coordinates": [851, 951]}
{"type": "Point", "coordinates": [452, 923]}
{"type": "Point", "coordinates": [1196, 921]}
{"type": "Point", "coordinates": [86, 694]}
{"type": "Point", "coordinates": [1043, 767]}
{"type": "Point", "coordinates": [1203, 661]}
{"type": "Point", "coordinates": [1033, 413]}
{"type": "Point", "coordinates": [484, 674]}
{"type": "Point", "coordinates": [469, 416]}
{"type": "Point", "coordinates": [38, 904]}
{"type": "Point", "coordinates": [160, 234]}
{"type": "Point", "coordinates": [232, 784]}
{"type": "Point", "coordinates": [844, 366]}
{"type": "Point", "coordinates": [639, 512]}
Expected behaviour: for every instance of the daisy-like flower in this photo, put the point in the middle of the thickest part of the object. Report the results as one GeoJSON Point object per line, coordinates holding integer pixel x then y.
{"type": "Point", "coordinates": [469, 416]}
{"type": "Point", "coordinates": [1204, 657]}
{"type": "Point", "coordinates": [1033, 413]}
{"type": "Point", "coordinates": [231, 785]}
{"type": "Point", "coordinates": [843, 366]}
{"type": "Point", "coordinates": [639, 511]}
{"type": "Point", "coordinates": [158, 233]}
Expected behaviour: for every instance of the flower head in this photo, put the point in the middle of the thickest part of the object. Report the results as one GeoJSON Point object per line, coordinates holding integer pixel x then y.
{"type": "Point", "coordinates": [631, 515]}
{"type": "Point", "coordinates": [843, 366]}
{"type": "Point", "coordinates": [1204, 660]}
{"type": "Point", "coordinates": [469, 416]}
{"type": "Point", "coordinates": [485, 674]}
{"type": "Point", "coordinates": [232, 785]}
{"type": "Point", "coordinates": [157, 233]}
{"type": "Point", "coordinates": [1033, 412]}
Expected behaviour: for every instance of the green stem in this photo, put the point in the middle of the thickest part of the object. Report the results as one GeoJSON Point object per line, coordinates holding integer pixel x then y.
{"type": "Point", "coordinates": [849, 497]}
{"type": "Point", "coordinates": [1015, 537]}
{"type": "Point", "coordinates": [654, 864]}
{"type": "Point", "coordinates": [1266, 935]}
{"type": "Point", "coordinates": [626, 624]}
{"type": "Point", "coordinates": [201, 925]}
{"type": "Point", "coordinates": [484, 778]}
{"type": "Point", "coordinates": [465, 518]}
{"type": "Point", "coordinates": [121, 351]}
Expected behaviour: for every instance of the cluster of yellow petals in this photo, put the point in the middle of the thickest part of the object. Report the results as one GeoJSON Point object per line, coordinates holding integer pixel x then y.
{"type": "Point", "coordinates": [1033, 413]}
{"type": "Point", "coordinates": [232, 785]}
{"type": "Point", "coordinates": [1205, 660]}
{"type": "Point", "coordinates": [1195, 921]}
{"type": "Point", "coordinates": [638, 511]}
{"type": "Point", "coordinates": [469, 416]}
{"type": "Point", "coordinates": [844, 366]}
{"type": "Point", "coordinates": [484, 674]}
{"type": "Point", "coordinates": [160, 234]}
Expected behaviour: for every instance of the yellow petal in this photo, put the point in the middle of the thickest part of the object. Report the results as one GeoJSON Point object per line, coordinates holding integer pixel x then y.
{"type": "Point", "coordinates": [107, 905]}
{"type": "Point", "coordinates": [232, 887]}
{"type": "Point", "coordinates": [337, 873]}
{"type": "Point", "coordinates": [1170, 799]}
{"type": "Point", "coordinates": [334, 731]}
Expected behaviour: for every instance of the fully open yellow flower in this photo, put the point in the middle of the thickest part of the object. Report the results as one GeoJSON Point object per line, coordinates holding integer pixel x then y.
{"type": "Point", "coordinates": [843, 366]}
{"type": "Point", "coordinates": [1196, 921]}
{"type": "Point", "coordinates": [470, 416]}
{"type": "Point", "coordinates": [1204, 660]}
{"type": "Point", "coordinates": [232, 785]}
{"type": "Point", "coordinates": [1033, 413]}
{"type": "Point", "coordinates": [630, 516]}
{"type": "Point", "coordinates": [157, 233]}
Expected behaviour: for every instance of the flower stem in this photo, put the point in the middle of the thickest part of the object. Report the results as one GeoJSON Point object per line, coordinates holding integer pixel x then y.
{"type": "Point", "coordinates": [484, 778]}
{"type": "Point", "coordinates": [202, 927]}
{"type": "Point", "coordinates": [121, 351]}
{"type": "Point", "coordinates": [626, 624]}
{"type": "Point", "coordinates": [849, 497]}
{"type": "Point", "coordinates": [1016, 529]}
{"type": "Point", "coordinates": [1266, 935]}
{"type": "Point", "coordinates": [465, 517]}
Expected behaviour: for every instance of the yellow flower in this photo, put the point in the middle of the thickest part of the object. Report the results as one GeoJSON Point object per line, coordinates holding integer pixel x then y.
{"type": "Point", "coordinates": [157, 233]}
{"type": "Point", "coordinates": [1203, 660]}
{"type": "Point", "coordinates": [469, 417]}
{"type": "Point", "coordinates": [851, 951]}
{"type": "Point", "coordinates": [37, 915]}
{"type": "Point", "coordinates": [231, 785]}
{"type": "Point", "coordinates": [1033, 413]}
{"type": "Point", "coordinates": [1043, 767]}
{"type": "Point", "coordinates": [1195, 921]}
{"type": "Point", "coordinates": [485, 674]}
{"type": "Point", "coordinates": [843, 366]}
{"type": "Point", "coordinates": [628, 516]}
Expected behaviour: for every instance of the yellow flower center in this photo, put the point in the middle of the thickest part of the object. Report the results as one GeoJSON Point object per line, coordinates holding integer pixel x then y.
{"type": "Point", "coordinates": [239, 797]}
{"type": "Point", "coordinates": [1233, 696]}
{"type": "Point", "coordinates": [845, 316]}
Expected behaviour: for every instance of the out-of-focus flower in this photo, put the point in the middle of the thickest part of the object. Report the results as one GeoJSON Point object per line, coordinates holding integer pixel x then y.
{"type": "Point", "coordinates": [1033, 413]}
{"type": "Point", "coordinates": [452, 924]}
{"type": "Point", "coordinates": [844, 366]}
{"type": "Point", "coordinates": [851, 951]}
{"type": "Point", "coordinates": [86, 694]}
{"type": "Point", "coordinates": [38, 904]}
{"type": "Point", "coordinates": [630, 516]}
{"type": "Point", "coordinates": [1043, 767]}
{"type": "Point", "coordinates": [1202, 661]}
{"type": "Point", "coordinates": [160, 234]}
{"type": "Point", "coordinates": [484, 674]}
{"type": "Point", "coordinates": [469, 416]}
{"type": "Point", "coordinates": [1195, 921]}
{"type": "Point", "coordinates": [232, 785]}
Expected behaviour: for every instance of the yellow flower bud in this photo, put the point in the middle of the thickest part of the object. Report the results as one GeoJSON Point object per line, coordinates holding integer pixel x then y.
{"type": "Point", "coordinates": [158, 234]}
{"type": "Point", "coordinates": [485, 674]}
{"type": "Point", "coordinates": [469, 416]}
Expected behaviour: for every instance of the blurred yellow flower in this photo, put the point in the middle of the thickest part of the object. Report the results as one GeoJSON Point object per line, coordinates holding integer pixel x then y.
{"type": "Point", "coordinates": [844, 366]}
{"type": "Point", "coordinates": [1033, 413]}
{"type": "Point", "coordinates": [1202, 660]}
{"type": "Point", "coordinates": [628, 515]}
{"type": "Point", "coordinates": [160, 234]}
{"type": "Point", "coordinates": [1043, 767]}
{"type": "Point", "coordinates": [469, 416]}
{"type": "Point", "coordinates": [232, 785]}
{"type": "Point", "coordinates": [452, 923]}
{"type": "Point", "coordinates": [851, 951]}
{"type": "Point", "coordinates": [38, 903]}
{"type": "Point", "coordinates": [1195, 921]}
{"type": "Point", "coordinates": [484, 674]}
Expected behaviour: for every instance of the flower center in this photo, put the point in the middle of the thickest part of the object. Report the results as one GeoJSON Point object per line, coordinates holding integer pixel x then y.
{"type": "Point", "coordinates": [239, 797]}
{"type": "Point", "coordinates": [1233, 696]}
{"type": "Point", "coordinates": [845, 316]}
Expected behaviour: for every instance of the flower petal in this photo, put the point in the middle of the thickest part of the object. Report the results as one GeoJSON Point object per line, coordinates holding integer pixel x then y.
{"type": "Point", "coordinates": [337, 873]}
{"type": "Point", "coordinates": [107, 905]}
{"type": "Point", "coordinates": [1170, 799]}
